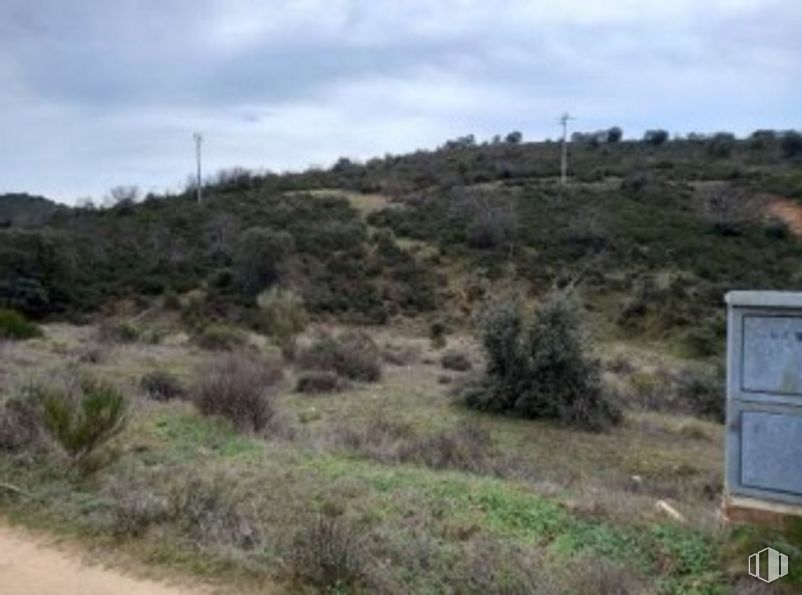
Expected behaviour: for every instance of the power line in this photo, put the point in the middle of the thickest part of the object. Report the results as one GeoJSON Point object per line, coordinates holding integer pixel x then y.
{"type": "Point", "coordinates": [564, 161]}
{"type": "Point", "coordinates": [198, 184]}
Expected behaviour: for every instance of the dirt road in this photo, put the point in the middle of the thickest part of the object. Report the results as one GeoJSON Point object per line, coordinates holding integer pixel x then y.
{"type": "Point", "coordinates": [33, 565]}
{"type": "Point", "coordinates": [786, 210]}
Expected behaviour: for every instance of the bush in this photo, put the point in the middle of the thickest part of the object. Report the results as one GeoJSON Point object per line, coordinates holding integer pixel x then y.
{"type": "Point", "coordinates": [20, 424]}
{"type": "Point", "coordinates": [542, 372]}
{"type": "Point", "coordinates": [705, 394]}
{"type": "Point", "coordinates": [437, 334]}
{"type": "Point", "coordinates": [320, 381]}
{"type": "Point", "coordinates": [791, 144]}
{"type": "Point", "coordinates": [238, 386]}
{"type": "Point", "coordinates": [283, 316]}
{"type": "Point", "coordinates": [82, 417]}
{"type": "Point", "coordinates": [327, 553]}
{"type": "Point", "coordinates": [160, 385]}
{"type": "Point", "coordinates": [351, 354]}
{"type": "Point", "coordinates": [220, 337]}
{"type": "Point", "coordinates": [110, 331]}
{"type": "Point", "coordinates": [14, 326]}
{"type": "Point", "coordinates": [455, 360]}
{"type": "Point", "coordinates": [260, 258]}
{"type": "Point", "coordinates": [464, 447]}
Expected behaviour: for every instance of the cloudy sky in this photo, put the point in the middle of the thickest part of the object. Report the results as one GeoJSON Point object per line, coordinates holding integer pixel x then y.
{"type": "Point", "coordinates": [98, 93]}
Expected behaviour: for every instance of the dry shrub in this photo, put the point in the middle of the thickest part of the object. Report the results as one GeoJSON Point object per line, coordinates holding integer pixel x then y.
{"type": "Point", "coordinates": [491, 567]}
{"type": "Point", "coordinates": [161, 385]}
{"type": "Point", "coordinates": [93, 354]}
{"type": "Point", "coordinates": [239, 387]}
{"type": "Point", "coordinates": [137, 504]}
{"type": "Point", "coordinates": [593, 575]}
{"type": "Point", "coordinates": [465, 446]}
{"type": "Point", "coordinates": [20, 424]}
{"type": "Point", "coordinates": [211, 513]}
{"type": "Point", "coordinates": [220, 337]}
{"type": "Point", "coordinates": [462, 447]}
{"type": "Point", "coordinates": [117, 331]}
{"type": "Point", "coordinates": [320, 381]}
{"type": "Point", "coordinates": [399, 355]}
{"type": "Point", "coordinates": [283, 316]}
{"type": "Point", "coordinates": [351, 354]}
{"type": "Point", "coordinates": [456, 360]}
{"type": "Point", "coordinates": [327, 553]}
{"type": "Point", "coordinates": [378, 438]}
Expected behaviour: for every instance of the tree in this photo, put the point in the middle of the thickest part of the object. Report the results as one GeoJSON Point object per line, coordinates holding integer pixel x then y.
{"type": "Point", "coordinates": [791, 144]}
{"type": "Point", "coordinates": [120, 195]}
{"type": "Point", "coordinates": [514, 138]}
{"type": "Point", "coordinates": [721, 145]}
{"type": "Point", "coordinates": [655, 137]}
{"type": "Point", "coordinates": [614, 134]}
{"type": "Point", "coordinates": [260, 258]}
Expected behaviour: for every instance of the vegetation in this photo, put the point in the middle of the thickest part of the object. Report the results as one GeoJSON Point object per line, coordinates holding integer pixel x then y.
{"type": "Point", "coordinates": [352, 354]}
{"type": "Point", "coordinates": [392, 487]}
{"type": "Point", "coordinates": [14, 326]}
{"type": "Point", "coordinates": [541, 370]}
{"type": "Point", "coordinates": [238, 386]}
{"type": "Point", "coordinates": [284, 316]}
{"type": "Point", "coordinates": [81, 415]}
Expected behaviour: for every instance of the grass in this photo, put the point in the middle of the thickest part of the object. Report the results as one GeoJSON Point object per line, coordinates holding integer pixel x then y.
{"type": "Point", "coordinates": [563, 495]}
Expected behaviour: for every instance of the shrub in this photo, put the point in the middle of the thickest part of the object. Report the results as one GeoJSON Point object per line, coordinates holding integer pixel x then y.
{"type": "Point", "coordinates": [110, 331]}
{"type": "Point", "coordinates": [327, 553]}
{"type": "Point", "coordinates": [260, 258]}
{"type": "Point", "coordinates": [283, 316]}
{"type": "Point", "coordinates": [655, 137]}
{"type": "Point", "coordinates": [437, 334]}
{"type": "Point", "coordinates": [320, 381]}
{"type": "Point", "coordinates": [455, 360]}
{"type": "Point", "coordinates": [543, 372]}
{"type": "Point", "coordinates": [220, 337]}
{"type": "Point", "coordinates": [238, 386]}
{"type": "Point", "coordinates": [464, 447]}
{"type": "Point", "coordinates": [160, 385]}
{"type": "Point", "coordinates": [20, 424]}
{"type": "Point", "coordinates": [15, 326]}
{"type": "Point", "coordinates": [705, 394]}
{"type": "Point", "coordinates": [82, 417]}
{"type": "Point", "coordinates": [351, 354]}
{"type": "Point", "coordinates": [791, 144]}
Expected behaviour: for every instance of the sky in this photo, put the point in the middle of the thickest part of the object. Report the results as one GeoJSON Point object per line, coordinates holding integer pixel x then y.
{"type": "Point", "coordinates": [100, 93]}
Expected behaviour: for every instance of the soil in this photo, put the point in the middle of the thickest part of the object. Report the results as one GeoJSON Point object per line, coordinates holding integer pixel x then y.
{"type": "Point", "coordinates": [34, 565]}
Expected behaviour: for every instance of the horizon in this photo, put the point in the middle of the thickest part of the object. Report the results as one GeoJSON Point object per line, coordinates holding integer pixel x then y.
{"type": "Point", "coordinates": [92, 102]}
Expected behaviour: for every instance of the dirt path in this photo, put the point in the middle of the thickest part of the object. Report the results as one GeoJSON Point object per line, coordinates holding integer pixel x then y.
{"type": "Point", "coordinates": [787, 211]}
{"type": "Point", "coordinates": [34, 565]}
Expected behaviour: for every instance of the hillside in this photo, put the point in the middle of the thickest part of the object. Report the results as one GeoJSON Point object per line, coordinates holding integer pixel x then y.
{"type": "Point", "coordinates": [362, 380]}
{"type": "Point", "coordinates": [652, 234]}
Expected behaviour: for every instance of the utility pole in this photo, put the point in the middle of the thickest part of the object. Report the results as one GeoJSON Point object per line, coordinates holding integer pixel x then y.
{"type": "Point", "coordinates": [564, 164]}
{"type": "Point", "coordinates": [198, 182]}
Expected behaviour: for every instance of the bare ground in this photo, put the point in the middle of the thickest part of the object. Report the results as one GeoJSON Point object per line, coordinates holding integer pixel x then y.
{"type": "Point", "coordinates": [32, 564]}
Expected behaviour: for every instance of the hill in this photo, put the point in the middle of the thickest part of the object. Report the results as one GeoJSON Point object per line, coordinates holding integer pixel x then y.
{"type": "Point", "coordinates": [652, 233]}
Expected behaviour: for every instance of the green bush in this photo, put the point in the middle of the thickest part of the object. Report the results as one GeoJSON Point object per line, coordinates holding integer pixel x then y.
{"type": "Point", "coordinates": [260, 258]}
{"type": "Point", "coordinates": [351, 354]}
{"type": "Point", "coordinates": [283, 316]}
{"type": "Point", "coordinates": [220, 337]}
{"type": "Point", "coordinates": [542, 371]}
{"type": "Point", "coordinates": [15, 326]}
{"type": "Point", "coordinates": [81, 418]}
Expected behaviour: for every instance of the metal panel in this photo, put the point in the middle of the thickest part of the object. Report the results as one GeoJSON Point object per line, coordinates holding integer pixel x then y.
{"type": "Point", "coordinates": [771, 452]}
{"type": "Point", "coordinates": [772, 354]}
